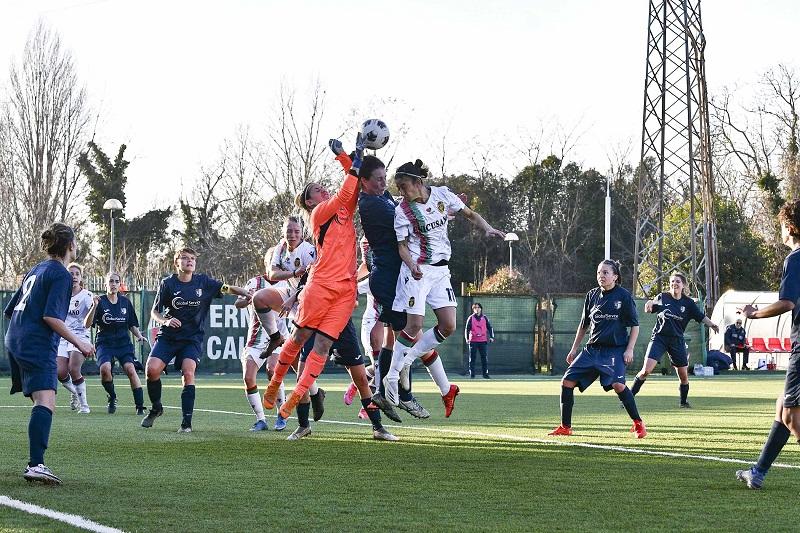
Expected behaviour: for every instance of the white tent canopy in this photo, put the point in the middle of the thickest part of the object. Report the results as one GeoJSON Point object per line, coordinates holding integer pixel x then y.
{"type": "Point", "coordinates": [725, 313]}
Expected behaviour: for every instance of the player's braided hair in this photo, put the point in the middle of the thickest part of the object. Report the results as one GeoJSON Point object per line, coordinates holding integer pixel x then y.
{"type": "Point", "coordinates": [790, 215]}
{"type": "Point", "coordinates": [57, 238]}
{"type": "Point", "coordinates": [417, 171]}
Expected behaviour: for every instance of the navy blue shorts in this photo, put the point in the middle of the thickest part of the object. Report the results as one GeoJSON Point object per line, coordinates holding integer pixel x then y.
{"type": "Point", "coordinates": [346, 350]}
{"type": "Point", "coordinates": [791, 390]}
{"type": "Point", "coordinates": [122, 354]}
{"type": "Point", "coordinates": [166, 349]}
{"type": "Point", "coordinates": [675, 346]}
{"type": "Point", "coordinates": [597, 361]}
{"type": "Point", "coordinates": [37, 375]}
{"type": "Point", "coordinates": [383, 285]}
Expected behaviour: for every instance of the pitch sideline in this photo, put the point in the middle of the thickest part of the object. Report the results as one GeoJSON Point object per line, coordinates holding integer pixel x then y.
{"type": "Point", "coordinates": [71, 519]}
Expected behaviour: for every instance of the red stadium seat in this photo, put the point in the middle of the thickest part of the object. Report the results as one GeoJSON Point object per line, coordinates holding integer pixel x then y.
{"type": "Point", "coordinates": [787, 344]}
{"type": "Point", "coordinates": [774, 345]}
{"type": "Point", "coordinates": [758, 345]}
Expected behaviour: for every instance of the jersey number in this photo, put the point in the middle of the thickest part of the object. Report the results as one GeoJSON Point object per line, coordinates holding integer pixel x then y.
{"type": "Point", "coordinates": [26, 292]}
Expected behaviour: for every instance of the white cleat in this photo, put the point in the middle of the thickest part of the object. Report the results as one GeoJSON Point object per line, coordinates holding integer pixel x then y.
{"type": "Point", "coordinates": [414, 408]}
{"type": "Point", "coordinates": [84, 410]}
{"type": "Point", "coordinates": [382, 434]}
{"type": "Point", "coordinates": [299, 433]}
{"type": "Point", "coordinates": [391, 394]}
{"type": "Point", "coordinates": [42, 474]}
{"type": "Point", "coordinates": [74, 402]}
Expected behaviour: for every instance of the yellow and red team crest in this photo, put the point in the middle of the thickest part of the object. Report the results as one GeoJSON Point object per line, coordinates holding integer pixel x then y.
{"type": "Point", "coordinates": [297, 262]}
{"type": "Point", "coordinates": [440, 206]}
{"type": "Point", "coordinates": [411, 302]}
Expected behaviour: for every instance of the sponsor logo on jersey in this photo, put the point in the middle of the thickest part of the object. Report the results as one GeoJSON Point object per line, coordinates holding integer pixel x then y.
{"type": "Point", "coordinates": [440, 206]}
{"type": "Point", "coordinates": [411, 301]}
{"type": "Point", "coordinates": [178, 303]}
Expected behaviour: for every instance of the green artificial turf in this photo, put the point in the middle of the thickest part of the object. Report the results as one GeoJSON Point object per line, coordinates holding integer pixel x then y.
{"type": "Point", "coordinates": [491, 466]}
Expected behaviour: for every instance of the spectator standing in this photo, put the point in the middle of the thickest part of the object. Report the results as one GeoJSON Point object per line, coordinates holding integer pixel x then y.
{"type": "Point", "coordinates": [479, 333]}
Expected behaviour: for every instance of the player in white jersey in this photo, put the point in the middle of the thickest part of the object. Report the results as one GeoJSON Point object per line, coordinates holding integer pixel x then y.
{"type": "Point", "coordinates": [420, 224]}
{"type": "Point", "coordinates": [70, 359]}
{"type": "Point", "coordinates": [257, 340]}
{"type": "Point", "coordinates": [290, 261]}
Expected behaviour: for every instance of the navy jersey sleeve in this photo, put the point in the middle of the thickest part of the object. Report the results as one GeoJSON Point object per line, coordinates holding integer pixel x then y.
{"type": "Point", "coordinates": [9, 310]}
{"type": "Point", "coordinates": [161, 296]}
{"type": "Point", "coordinates": [133, 320]}
{"type": "Point", "coordinates": [695, 312]}
{"type": "Point", "coordinates": [58, 296]}
{"type": "Point", "coordinates": [790, 282]}
{"type": "Point", "coordinates": [658, 304]}
{"type": "Point", "coordinates": [630, 315]}
{"type": "Point", "coordinates": [214, 287]}
{"type": "Point", "coordinates": [587, 303]}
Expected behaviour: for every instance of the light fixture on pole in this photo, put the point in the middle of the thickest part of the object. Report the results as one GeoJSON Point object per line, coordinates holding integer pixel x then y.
{"type": "Point", "coordinates": [511, 237]}
{"type": "Point", "coordinates": [112, 204]}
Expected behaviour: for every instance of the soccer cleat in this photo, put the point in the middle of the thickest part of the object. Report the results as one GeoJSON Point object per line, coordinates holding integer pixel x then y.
{"type": "Point", "coordinates": [184, 429]}
{"type": "Point", "coordinates": [561, 431]}
{"type": "Point", "coordinates": [74, 402]}
{"type": "Point", "coordinates": [41, 474]}
{"type": "Point", "coordinates": [391, 393]}
{"type": "Point", "coordinates": [686, 405]}
{"type": "Point", "coordinates": [271, 394]}
{"type": "Point", "coordinates": [639, 430]}
{"type": "Point", "coordinates": [382, 434]}
{"type": "Point", "coordinates": [387, 408]}
{"type": "Point", "coordinates": [140, 410]}
{"type": "Point", "coordinates": [280, 423]}
{"type": "Point", "coordinates": [414, 408]}
{"type": "Point", "coordinates": [486, 376]}
{"type": "Point", "coordinates": [260, 425]}
{"type": "Point", "coordinates": [112, 405]}
{"type": "Point", "coordinates": [84, 410]}
{"type": "Point", "coordinates": [362, 414]}
{"type": "Point", "coordinates": [449, 400]}
{"type": "Point", "coordinates": [147, 422]}
{"type": "Point", "coordinates": [405, 377]}
{"type": "Point", "coordinates": [289, 405]}
{"type": "Point", "coordinates": [275, 340]}
{"type": "Point", "coordinates": [318, 404]}
{"type": "Point", "coordinates": [299, 433]}
{"type": "Point", "coordinates": [752, 477]}
{"type": "Point", "coordinates": [350, 393]}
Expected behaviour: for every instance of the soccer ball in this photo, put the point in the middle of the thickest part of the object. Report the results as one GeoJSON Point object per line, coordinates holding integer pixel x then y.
{"type": "Point", "coordinates": [376, 133]}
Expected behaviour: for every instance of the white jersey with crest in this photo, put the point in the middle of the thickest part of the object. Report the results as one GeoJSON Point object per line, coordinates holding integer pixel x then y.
{"type": "Point", "coordinates": [79, 306]}
{"type": "Point", "coordinates": [424, 226]}
{"type": "Point", "coordinates": [284, 259]}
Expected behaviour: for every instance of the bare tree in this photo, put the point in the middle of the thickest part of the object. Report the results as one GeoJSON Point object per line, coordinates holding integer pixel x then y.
{"type": "Point", "coordinates": [42, 128]}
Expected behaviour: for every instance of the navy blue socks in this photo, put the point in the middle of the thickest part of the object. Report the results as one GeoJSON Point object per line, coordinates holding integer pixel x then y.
{"type": "Point", "coordinates": [626, 397]}
{"type": "Point", "coordinates": [187, 404]}
{"type": "Point", "coordinates": [777, 439]}
{"type": "Point", "coordinates": [567, 401]}
{"type": "Point", "coordinates": [39, 433]}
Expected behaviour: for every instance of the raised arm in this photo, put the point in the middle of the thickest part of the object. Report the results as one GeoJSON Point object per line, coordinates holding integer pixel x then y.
{"type": "Point", "coordinates": [479, 221]}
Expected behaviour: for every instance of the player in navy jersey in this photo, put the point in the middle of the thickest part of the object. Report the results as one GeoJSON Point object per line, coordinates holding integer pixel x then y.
{"type": "Point", "coordinates": [180, 308]}
{"type": "Point", "coordinates": [675, 309]}
{"type": "Point", "coordinates": [114, 316]}
{"type": "Point", "coordinates": [36, 315]}
{"type": "Point", "coordinates": [787, 407]}
{"type": "Point", "coordinates": [376, 209]}
{"type": "Point", "coordinates": [608, 312]}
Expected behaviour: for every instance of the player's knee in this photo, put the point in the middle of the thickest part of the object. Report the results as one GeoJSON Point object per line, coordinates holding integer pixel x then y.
{"type": "Point", "coordinates": [446, 329]}
{"type": "Point", "coordinates": [618, 387]}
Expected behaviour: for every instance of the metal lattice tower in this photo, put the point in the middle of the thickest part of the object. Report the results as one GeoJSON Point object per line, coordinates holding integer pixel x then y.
{"type": "Point", "coordinates": [675, 222]}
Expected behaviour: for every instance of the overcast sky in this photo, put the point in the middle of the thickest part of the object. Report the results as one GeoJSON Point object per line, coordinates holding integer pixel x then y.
{"type": "Point", "coordinates": [173, 79]}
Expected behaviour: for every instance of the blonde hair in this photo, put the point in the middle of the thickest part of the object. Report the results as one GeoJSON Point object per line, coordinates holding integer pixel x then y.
{"type": "Point", "coordinates": [76, 265]}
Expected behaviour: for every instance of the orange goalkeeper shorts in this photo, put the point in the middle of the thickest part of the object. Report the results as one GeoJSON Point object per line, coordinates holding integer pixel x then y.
{"type": "Point", "coordinates": [326, 306]}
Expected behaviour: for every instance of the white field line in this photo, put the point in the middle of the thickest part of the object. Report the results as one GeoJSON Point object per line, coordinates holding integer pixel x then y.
{"type": "Point", "coordinates": [71, 519]}
{"type": "Point", "coordinates": [515, 438]}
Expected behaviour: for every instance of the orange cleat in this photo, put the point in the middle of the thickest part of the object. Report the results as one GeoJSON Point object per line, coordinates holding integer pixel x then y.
{"type": "Point", "coordinates": [561, 431]}
{"type": "Point", "coordinates": [288, 406]}
{"type": "Point", "coordinates": [449, 400]}
{"type": "Point", "coordinates": [639, 429]}
{"type": "Point", "coordinates": [350, 393]}
{"type": "Point", "coordinates": [271, 394]}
